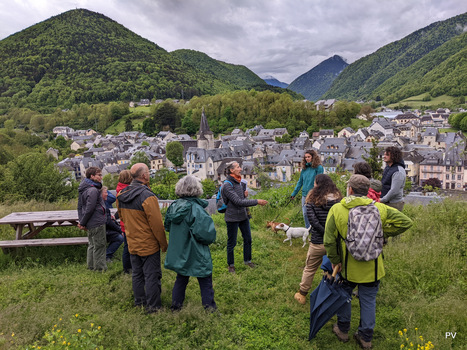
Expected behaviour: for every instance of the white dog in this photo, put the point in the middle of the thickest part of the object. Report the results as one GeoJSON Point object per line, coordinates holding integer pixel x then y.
{"type": "Point", "coordinates": [294, 232]}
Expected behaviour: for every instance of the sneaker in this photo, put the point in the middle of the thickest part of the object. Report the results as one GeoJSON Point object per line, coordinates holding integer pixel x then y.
{"type": "Point", "coordinates": [361, 342]}
{"type": "Point", "coordinates": [343, 337]}
{"type": "Point", "coordinates": [250, 264]}
{"type": "Point", "coordinates": [300, 298]}
{"type": "Point", "coordinates": [232, 269]}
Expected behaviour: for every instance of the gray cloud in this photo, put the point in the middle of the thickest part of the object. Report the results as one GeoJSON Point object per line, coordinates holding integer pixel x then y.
{"type": "Point", "coordinates": [271, 37]}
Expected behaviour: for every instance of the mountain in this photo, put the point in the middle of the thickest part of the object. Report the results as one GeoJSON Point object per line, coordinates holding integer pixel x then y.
{"type": "Point", "coordinates": [314, 83]}
{"type": "Point", "coordinates": [270, 80]}
{"type": "Point", "coordinates": [430, 60]}
{"type": "Point", "coordinates": [82, 56]}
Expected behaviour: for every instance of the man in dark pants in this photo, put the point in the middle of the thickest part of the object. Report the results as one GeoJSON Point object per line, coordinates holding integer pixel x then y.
{"type": "Point", "coordinates": [138, 207]}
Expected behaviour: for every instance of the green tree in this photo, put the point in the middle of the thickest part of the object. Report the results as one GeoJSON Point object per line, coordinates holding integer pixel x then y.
{"type": "Point", "coordinates": [209, 187]}
{"type": "Point", "coordinates": [139, 157]}
{"type": "Point", "coordinates": [374, 161]}
{"type": "Point", "coordinates": [128, 124]}
{"type": "Point", "coordinates": [111, 181]}
{"type": "Point", "coordinates": [174, 153]}
{"type": "Point", "coordinates": [164, 177]}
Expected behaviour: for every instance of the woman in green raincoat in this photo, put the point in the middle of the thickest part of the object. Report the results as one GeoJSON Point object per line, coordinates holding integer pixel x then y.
{"type": "Point", "coordinates": [191, 231]}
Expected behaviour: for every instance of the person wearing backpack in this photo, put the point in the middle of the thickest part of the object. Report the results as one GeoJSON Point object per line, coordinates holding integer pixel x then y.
{"type": "Point", "coordinates": [360, 261]}
{"type": "Point", "coordinates": [236, 216]}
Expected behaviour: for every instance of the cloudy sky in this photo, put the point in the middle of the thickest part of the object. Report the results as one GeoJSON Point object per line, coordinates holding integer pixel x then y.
{"type": "Point", "coordinates": [277, 38]}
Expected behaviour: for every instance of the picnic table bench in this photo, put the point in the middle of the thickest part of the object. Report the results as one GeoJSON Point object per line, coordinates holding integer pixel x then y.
{"type": "Point", "coordinates": [35, 222]}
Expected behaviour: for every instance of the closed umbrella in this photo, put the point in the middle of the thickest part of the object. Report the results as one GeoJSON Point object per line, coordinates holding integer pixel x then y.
{"type": "Point", "coordinates": [325, 301]}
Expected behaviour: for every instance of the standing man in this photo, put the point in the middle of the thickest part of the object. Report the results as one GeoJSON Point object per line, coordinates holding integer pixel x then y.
{"type": "Point", "coordinates": [236, 216]}
{"type": "Point", "coordinates": [393, 178]}
{"type": "Point", "coordinates": [139, 208]}
{"type": "Point", "coordinates": [364, 274]}
{"type": "Point", "coordinates": [91, 216]}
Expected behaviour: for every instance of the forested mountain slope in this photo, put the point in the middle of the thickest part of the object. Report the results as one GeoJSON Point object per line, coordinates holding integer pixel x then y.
{"type": "Point", "coordinates": [394, 70]}
{"type": "Point", "coordinates": [83, 56]}
{"type": "Point", "coordinates": [314, 83]}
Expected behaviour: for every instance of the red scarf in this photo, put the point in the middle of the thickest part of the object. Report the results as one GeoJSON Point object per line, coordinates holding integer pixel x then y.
{"type": "Point", "coordinates": [238, 178]}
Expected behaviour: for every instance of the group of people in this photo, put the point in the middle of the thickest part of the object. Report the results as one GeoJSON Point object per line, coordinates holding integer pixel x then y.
{"type": "Point", "coordinates": [191, 231]}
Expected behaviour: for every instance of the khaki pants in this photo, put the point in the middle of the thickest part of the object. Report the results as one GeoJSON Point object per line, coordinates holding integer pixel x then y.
{"type": "Point", "coordinates": [314, 258]}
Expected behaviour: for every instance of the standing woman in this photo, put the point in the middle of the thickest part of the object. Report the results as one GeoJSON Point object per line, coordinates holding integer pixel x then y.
{"type": "Point", "coordinates": [318, 203]}
{"type": "Point", "coordinates": [311, 166]}
{"type": "Point", "coordinates": [236, 216]}
{"type": "Point", "coordinates": [124, 180]}
{"type": "Point", "coordinates": [191, 231]}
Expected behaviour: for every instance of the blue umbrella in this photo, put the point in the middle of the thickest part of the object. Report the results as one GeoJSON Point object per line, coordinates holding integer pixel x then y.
{"type": "Point", "coordinates": [325, 301]}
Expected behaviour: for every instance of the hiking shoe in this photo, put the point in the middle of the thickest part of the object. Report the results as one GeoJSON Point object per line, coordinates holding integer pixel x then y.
{"type": "Point", "coordinates": [361, 342]}
{"type": "Point", "coordinates": [250, 264]}
{"type": "Point", "coordinates": [343, 337]}
{"type": "Point", "coordinates": [232, 269]}
{"type": "Point", "coordinates": [300, 298]}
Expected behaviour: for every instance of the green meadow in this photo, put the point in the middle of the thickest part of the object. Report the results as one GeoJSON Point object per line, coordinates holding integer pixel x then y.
{"type": "Point", "coordinates": [49, 300]}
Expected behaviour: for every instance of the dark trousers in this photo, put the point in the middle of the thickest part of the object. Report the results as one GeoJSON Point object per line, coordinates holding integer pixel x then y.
{"type": "Point", "coordinates": [232, 229]}
{"type": "Point", "coordinates": [205, 285]}
{"type": "Point", "coordinates": [115, 240]}
{"type": "Point", "coordinates": [147, 276]}
{"type": "Point", "coordinates": [126, 256]}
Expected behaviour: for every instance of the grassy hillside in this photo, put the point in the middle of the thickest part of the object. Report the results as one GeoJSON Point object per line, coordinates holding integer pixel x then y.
{"type": "Point", "coordinates": [47, 295]}
{"type": "Point", "coordinates": [82, 56]}
{"type": "Point", "coordinates": [398, 68]}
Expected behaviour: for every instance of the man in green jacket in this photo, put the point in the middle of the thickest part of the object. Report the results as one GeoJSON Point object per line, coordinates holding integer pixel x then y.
{"type": "Point", "coordinates": [364, 274]}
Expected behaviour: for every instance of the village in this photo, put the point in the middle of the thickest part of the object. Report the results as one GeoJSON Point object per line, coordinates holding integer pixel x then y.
{"type": "Point", "coordinates": [428, 153]}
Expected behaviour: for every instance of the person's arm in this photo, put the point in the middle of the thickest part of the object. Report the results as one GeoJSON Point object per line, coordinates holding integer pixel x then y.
{"type": "Point", "coordinates": [229, 192]}
{"type": "Point", "coordinates": [320, 170]}
{"type": "Point", "coordinates": [154, 216]}
{"type": "Point", "coordinates": [91, 202]}
{"type": "Point", "coordinates": [330, 239]}
{"type": "Point", "coordinates": [310, 212]}
{"type": "Point", "coordinates": [203, 229]}
{"type": "Point", "coordinates": [397, 182]}
{"type": "Point", "coordinates": [298, 186]}
{"type": "Point", "coordinates": [396, 222]}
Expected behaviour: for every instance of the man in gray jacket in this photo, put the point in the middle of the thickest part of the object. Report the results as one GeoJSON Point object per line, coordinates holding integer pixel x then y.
{"type": "Point", "coordinates": [91, 216]}
{"type": "Point", "coordinates": [236, 215]}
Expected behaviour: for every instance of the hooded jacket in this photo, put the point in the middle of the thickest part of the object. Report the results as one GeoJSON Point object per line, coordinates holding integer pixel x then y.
{"type": "Point", "coordinates": [307, 180]}
{"type": "Point", "coordinates": [393, 222]}
{"type": "Point", "coordinates": [139, 208]}
{"type": "Point", "coordinates": [91, 206]}
{"type": "Point", "coordinates": [233, 194]}
{"type": "Point", "coordinates": [191, 231]}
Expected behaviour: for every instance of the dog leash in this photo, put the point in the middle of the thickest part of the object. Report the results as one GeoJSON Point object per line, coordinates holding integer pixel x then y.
{"type": "Point", "coordinates": [290, 200]}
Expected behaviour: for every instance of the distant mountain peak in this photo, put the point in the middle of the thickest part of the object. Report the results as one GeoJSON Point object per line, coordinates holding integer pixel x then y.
{"type": "Point", "coordinates": [270, 80]}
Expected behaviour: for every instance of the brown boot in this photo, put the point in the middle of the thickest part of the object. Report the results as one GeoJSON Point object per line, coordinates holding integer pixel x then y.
{"type": "Point", "coordinates": [300, 298]}
{"type": "Point", "coordinates": [343, 337]}
{"type": "Point", "coordinates": [361, 342]}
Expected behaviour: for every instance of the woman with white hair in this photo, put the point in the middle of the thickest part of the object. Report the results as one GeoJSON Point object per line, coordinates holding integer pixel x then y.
{"type": "Point", "coordinates": [191, 231]}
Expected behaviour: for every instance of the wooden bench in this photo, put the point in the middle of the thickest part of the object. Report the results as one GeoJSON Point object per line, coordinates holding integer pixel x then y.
{"type": "Point", "coordinates": [34, 223]}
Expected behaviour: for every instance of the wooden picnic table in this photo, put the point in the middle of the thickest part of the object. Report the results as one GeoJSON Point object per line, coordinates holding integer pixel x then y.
{"type": "Point", "coordinates": [35, 222]}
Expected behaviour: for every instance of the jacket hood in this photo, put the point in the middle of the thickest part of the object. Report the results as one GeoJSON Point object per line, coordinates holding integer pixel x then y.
{"type": "Point", "coordinates": [181, 207]}
{"type": "Point", "coordinates": [87, 183]}
{"type": "Point", "coordinates": [352, 201]}
{"type": "Point", "coordinates": [128, 194]}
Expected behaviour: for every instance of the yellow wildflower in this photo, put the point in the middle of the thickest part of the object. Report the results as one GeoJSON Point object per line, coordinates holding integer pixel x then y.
{"type": "Point", "coordinates": [79, 330]}
{"type": "Point", "coordinates": [405, 330]}
{"type": "Point", "coordinates": [55, 326]}
{"type": "Point", "coordinates": [402, 345]}
{"type": "Point", "coordinates": [99, 327]}
{"type": "Point", "coordinates": [416, 329]}
{"type": "Point", "coordinates": [92, 325]}
{"type": "Point", "coordinates": [60, 319]}
{"type": "Point", "coordinates": [68, 343]}
{"type": "Point", "coordinates": [76, 315]}
{"type": "Point", "coordinates": [64, 343]}
{"type": "Point", "coordinates": [400, 332]}
{"type": "Point", "coordinates": [13, 334]}
{"type": "Point", "coordinates": [411, 344]}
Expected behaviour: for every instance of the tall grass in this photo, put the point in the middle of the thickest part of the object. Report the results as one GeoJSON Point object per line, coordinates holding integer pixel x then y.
{"type": "Point", "coordinates": [43, 290]}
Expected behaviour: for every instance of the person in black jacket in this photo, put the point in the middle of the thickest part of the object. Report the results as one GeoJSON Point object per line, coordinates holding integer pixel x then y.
{"type": "Point", "coordinates": [318, 203]}
{"type": "Point", "coordinates": [236, 215]}
{"type": "Point", "coordinates": [113, 231]}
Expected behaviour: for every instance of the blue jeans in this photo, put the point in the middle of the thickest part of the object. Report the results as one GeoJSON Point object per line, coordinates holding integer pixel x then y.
{"type": "Point", "coordinates": [126, 256]}
{"type": "Point", "coordinates": [147, 274]}
{"type": "Point", "coordinates": [205, 285]}
{"type": "Point", "coordinates": [305, 216]}
{"type": "Point", "coordinates": [115, 240]}
{"type": "Point", "coordinates": [367, 299]}
{"type": "Point", "coordinates": [232, 229]}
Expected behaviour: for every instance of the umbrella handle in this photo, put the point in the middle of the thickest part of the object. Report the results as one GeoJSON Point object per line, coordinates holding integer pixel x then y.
{"type": "Point", "coordinates": [335, 271]}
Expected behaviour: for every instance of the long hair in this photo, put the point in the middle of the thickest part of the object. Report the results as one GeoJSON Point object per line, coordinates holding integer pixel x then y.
{"type": "Point", "coordinates": [324, 186]}
{"type": "Point", "coordinates": [395, 154]}
{"type": "Point", "coordinates": [315, 160]}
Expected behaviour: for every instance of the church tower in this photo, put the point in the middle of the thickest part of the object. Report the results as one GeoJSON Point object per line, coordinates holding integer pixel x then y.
{"type": "Point", "coordinates": [205, 136]}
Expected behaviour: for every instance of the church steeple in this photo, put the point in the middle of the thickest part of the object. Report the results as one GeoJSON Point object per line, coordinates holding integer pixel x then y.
{"type": "Point", "coordinates": [205, 136]}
